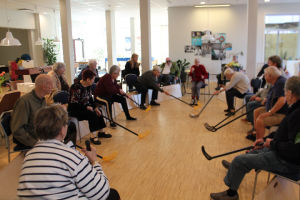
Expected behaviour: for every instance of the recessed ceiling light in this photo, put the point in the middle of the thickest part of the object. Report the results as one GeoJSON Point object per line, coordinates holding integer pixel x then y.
{"type": "Point", "coordinates": [202, 2]}
{"type": "Point", "coordinates": [267, 0]}
{"type": "Point", "coordinates": [211, 5]}
{"type": "Point", "coordinates": [45, 13]}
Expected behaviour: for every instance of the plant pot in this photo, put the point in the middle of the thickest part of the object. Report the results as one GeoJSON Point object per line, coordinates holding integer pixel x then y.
{"type": "Point", "coordinates": [183, 77]}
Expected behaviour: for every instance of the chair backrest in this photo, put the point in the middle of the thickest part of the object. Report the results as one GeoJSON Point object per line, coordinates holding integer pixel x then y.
{"type": "Point", "coordinates": [8, 101]}
{"type": "Point", "coordinates": [131, 79]}
{"type": "Point", "coordinates": [5, 123]}
{"type": "Point", "coordinates": [256, 83]}
{"type": "Point", "coordinates": [61, 97]}
{"type": "Point", "coordinates": [93, 87]}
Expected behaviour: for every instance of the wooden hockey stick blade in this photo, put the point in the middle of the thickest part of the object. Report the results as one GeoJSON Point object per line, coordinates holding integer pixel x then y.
{"type": "Point", "coordinates": [149, 107]}
{"type": "Point", "coordinates": [111, 157]}
{"type": "Point", "coordinates": [142, 135]}
{"type": "Point", "coordinates": [198, 106]}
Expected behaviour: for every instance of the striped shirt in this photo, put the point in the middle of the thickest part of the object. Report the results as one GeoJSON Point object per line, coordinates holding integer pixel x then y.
{"type": "Point", "coordinates": [52, 170]}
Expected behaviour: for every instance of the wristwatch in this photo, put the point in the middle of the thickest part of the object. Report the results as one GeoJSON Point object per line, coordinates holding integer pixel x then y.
{"type": "Point", "coordinates": [270, 112]}
{"type": "Point", "coordinates": [95, 162]}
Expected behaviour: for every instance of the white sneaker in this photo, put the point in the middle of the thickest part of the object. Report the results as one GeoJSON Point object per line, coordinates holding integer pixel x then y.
{"type": "Point", "coordinates": [192, 102]}
{"type": "Point", "coordinates": [196, 102]}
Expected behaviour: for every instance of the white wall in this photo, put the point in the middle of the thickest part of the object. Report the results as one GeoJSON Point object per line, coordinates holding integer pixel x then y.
{"type": "Point", "coordinates": [230, 20]}
{"type": "Point", "coordinates": [21, 20]}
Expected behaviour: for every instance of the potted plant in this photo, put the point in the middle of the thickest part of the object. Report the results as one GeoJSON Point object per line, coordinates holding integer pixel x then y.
{"type": "Point", "coordinates": [183, 65]}
{"type": "Point", "coordinates": [49, 51]}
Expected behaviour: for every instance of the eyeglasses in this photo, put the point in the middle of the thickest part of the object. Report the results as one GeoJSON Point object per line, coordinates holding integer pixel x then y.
{"type": "Point", "coordinates": [169, 61]}
{"type": "Point", "coordinates": [68, 123]}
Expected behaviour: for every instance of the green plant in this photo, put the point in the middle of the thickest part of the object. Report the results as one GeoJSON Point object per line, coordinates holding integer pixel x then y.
{"type": "Point", "coordinates": [183, 64]}
{"type": "Point", "coordinates": [99, 54]}
{"type": "Point", "coordinates": [49, 51]}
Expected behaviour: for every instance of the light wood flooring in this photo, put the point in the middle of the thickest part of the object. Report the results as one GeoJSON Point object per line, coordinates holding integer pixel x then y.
{"type": "Point", "coordinates": [168, 164]}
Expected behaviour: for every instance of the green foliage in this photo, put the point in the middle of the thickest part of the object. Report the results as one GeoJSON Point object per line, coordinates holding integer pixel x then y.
{"type": "Point", "coordinates": [49, 51]}
{"type": "Point", "coordinates": [99, 54]}
{"type": "Point", "coordinates": [183, 64]}
{"type": "Point", "coordinates": [297, 139]}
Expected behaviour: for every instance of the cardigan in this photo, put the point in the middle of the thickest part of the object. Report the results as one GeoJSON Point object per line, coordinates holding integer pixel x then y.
{"type": "Point", "coordinates": [106, 87]}
{"type": "Point", "coordinates": [240, 82]}
{"type": "Point", "coordinates": [52, 170]}
{"type": "Point", "coordinates": [200, 70]}
{"type": "Point", "coordinates": [80, 97]}
{"type": "Point", "coordinates": [174, 70]}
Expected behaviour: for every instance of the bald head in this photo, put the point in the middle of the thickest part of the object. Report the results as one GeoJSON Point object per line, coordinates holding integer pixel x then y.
{"type": "Point", "coordinates": [43, 85]}
{"type": "Point", "coordinates": [42, 79]}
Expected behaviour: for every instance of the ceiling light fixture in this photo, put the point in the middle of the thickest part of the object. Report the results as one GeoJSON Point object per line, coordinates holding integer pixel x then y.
{"type": "Point", "coordinates": [55, 39]}
{"type": "Point", "coordinates": [207, 35]}
{"type": "Point", "coordinates": [213, 6]}
{"type": "Point", "coordinates": [9, 40]}
{"type": "Point", "coordinates": [45, 13]}
{"type": "Point", "coordinates": [38, 41]}
{"type": "Point", "coordinates": [267, 0]}
{"type": "Point", "coordinates": [202, 2]}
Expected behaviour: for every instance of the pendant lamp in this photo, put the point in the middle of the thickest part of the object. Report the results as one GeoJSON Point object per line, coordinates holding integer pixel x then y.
{"type": "Point", "coordinates": [38, 41]}
{"type": "Point", "coordinates": [9, 40]}
{"type": "Point", "coordinates": [207, 35]}
{"type": "Point", "coordinates": [56, 40]}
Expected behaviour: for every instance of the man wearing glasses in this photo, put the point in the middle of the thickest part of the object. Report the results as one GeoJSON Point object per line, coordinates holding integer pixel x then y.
{"type": "Point", "coordinates": [169, 72]}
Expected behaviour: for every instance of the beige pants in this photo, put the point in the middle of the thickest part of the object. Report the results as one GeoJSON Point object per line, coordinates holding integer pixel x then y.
{"type": "Point", "coordinates": [272, 120]}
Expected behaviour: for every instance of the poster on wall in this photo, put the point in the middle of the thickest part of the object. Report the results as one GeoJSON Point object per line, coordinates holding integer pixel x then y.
{"type": "Point", "coordinates": [226, 46]}
{"type": "Point", "coordinates": [198, 51]}
{"type": "Point", "coordinates": [217, 53]}
{"type": "Point", "coordinates": [219, 37]}
{"type": "Point", "coordinates": [189, 49]}
{"type": "Point", "coordinates": [127, 44]}
{"type": "Point", "coordinates": [206, 48]}
{"type": "Point", "coordinates": [196, 38]}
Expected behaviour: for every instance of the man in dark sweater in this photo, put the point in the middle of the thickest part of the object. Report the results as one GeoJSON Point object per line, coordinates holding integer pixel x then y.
{"type": "Point", "coordinates": [93, 66]}
{"type": "Point", "coordinates": [148, 80]}
{"type": "Point", "coordinates": [280, 152]}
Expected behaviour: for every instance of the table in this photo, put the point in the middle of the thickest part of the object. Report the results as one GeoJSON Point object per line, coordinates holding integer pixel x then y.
{"type": "Point", "coordinates": [36, 70]}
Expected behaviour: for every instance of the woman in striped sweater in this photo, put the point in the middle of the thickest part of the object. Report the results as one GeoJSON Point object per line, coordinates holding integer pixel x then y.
{"type": "Point", "coordinates": [53, 170]}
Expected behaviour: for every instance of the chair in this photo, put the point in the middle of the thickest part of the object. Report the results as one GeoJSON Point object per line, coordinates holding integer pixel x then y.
{"type": "Point", "coordinates": [292, 177]}
{"type": "Point", "coordinates": [256, 83]}
{"type": "Point", "coordinates": [204, 86]}
{"type": "Point", "coordinates": [63, 98]}
{"type": "Point", "coordinates": [5, 125]}
{"type": "Point", "coordinates": [131, 79]}
{"type": "Point", "coordinates": [8, 101]}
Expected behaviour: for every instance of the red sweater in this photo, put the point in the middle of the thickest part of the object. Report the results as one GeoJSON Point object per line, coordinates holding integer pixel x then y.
{"type": "Point", "coordinates": [106, 87]}
{"type": "Point", "coordinates": [200, 70]}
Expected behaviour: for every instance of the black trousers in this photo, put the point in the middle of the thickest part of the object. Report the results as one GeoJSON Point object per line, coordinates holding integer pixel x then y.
{"type": "Point", "coordinates": [230, 94]}
{"type": "Point", "coordinates": [113, 195]}
{"type": "Point", "coordinates": [107, 102]}
{"type": "Point", "coordinates": [143, 89]}
{"type": "Point", "coordinates": [95, 122]}
{"type": "Point", "coordinates": [220, 81]}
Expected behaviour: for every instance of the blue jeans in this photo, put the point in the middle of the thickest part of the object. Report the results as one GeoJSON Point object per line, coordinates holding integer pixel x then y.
{"type": "Point", "coordinates": [264, 159]}
{"type": "Point", "coordinates": [251, 105]}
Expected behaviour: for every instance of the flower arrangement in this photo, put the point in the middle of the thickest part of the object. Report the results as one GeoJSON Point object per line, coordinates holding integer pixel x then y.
{"type": "Point", "coordinates": [2, 80]}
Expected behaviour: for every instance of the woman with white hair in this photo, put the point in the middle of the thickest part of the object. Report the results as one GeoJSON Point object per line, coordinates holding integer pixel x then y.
{"type": "Point", "coordinates": [59, 79]}
{"type": "Point", "coordinates": [108, 91]}
{"type": "Point", "coordinates": [238, 86]}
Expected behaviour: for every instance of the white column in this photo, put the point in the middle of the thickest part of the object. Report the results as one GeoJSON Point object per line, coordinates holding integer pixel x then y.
{"type": "Point", "coordinates": [111, 38]}
{"type": "Point", "coordinates": [145, 35]}
{"type": "Point", "coordinates": [251, 37]}
{"type": "Point", "coordinates": [36, 51]}
{"type": "Point", "coordinates": [132, 34]}
{"type": "Point", "coordinates": [67, 39]}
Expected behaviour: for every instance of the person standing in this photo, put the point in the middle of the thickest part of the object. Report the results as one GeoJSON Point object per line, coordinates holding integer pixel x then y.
{"type": "Point", "coordinates": [198, 74]}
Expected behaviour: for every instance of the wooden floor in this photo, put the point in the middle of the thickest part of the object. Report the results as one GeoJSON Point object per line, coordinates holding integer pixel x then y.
{"type": "Point", "coordinates": [168, 164]}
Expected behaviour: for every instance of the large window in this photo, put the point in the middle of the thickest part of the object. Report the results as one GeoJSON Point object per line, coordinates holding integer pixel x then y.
{"type": "Point", "coordinates": [282, 36]}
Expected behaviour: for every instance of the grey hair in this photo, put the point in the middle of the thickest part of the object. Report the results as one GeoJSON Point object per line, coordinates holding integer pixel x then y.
{"type": "Point", "coordinates": [92, 61]}
{"type": "Point", "coordinates": [156, 68]}
{"type": "Point", "coordinates": [197, 59]}
{"type": "Point", "coordinates": [272, 71]}
{"type": "Point", "coordinates": [228, 71]}
{"type": "Point", "coordinates": [114, 69]}
{"type": "Point", "coordinates": [57, 66]}
{"type": "Point", "coordinates": [293, 84]}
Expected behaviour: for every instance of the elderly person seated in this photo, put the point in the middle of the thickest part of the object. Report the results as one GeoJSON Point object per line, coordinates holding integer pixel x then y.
{"type": "Point", "coordinates": [275, 105]}
{"type": "Point", "coordinates": [108, 91]}
{"type": "Point", "coordinates": [82, 106]}
{"type": "Point", "coordinates": [280, 152]}
{"type": "Point", "coordinates": [59, 80]}
{"type": "Point", "coordinates": [53, 170]}
{"type": "Point", "coordinates": [92, 66]}
{"type": "Point", "coordinates": [233, 64]}
{"type": "Point", "coordinates": [169, 71]}
{"type": "Point", "coordinates": [148, 81]}
{"type": "Point", "coordinates": [199, 73]}
{"type": "Point", "coordinates": [238, 86]}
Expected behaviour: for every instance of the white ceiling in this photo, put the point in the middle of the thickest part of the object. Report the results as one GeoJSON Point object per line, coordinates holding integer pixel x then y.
{"type": "Point", "coordinates": [125, 8]}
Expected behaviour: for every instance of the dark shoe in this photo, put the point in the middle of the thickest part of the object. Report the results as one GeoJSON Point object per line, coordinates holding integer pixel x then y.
{"type": "Point", "coordinates": [226, 110]}
{"type": "Point", "coordinates": [251, 137]}
{"type": "Point", "coordinates": [251, 132]}
{"type": "Point", "coordinates": [226, 164]}
{"type": "Point", "coordinates": [143, 107]}
{"type": "Point", "coordinates": [95, 141]}
{"type": "Point", "coordinates": [113, 125]}
{"type": "Point", "coordinates": [104, 135]}
{"type": "Point", "coordinates": [230, 114]}
{"type": "Point", "coordinates": [223, 196]}
{"type": "Point", "coordinates": [131, 118]}
{"type": "Point", "coordinates": [153, 103]}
